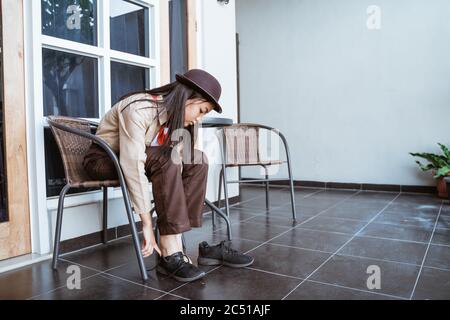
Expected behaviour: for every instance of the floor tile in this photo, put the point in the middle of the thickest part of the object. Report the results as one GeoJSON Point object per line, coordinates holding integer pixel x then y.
{"type": "Point", "coordinates": [286, 260]}
{"type": "Point", "coordinates": [103, 257]}
{"type": "Point", "coordinates": [333, 194]}
{"type": "Point", "coordinates": [438, 257]}
{"type": "Point", "coordinates": [445, 209]}
{"type": "Point", "coordinates": [355, 203]}
{"type": "Point", "coordinates": [235, 216]}
{"type": "Point", "coordinates": [351, 212]}
{"type": "Point", "coordinates": [35, 279]}
{"type": "Point", "coordinates": [130, 272]}
{"type": "Point", "coordinates": [301, 210]}
{"type": "Point", "coordinates": [407, 218]}
{"type": "Point", "coordinates": [171, 297]}
{"type": "Point", "coordinates": [375, 196]}
{"type": "Point", "coordinates": [333, 225]}
{"type": "Point", "coordinates": [396, 279]}
{"type": "Point", "coordinates": [392, 250]}
{"type": "Point", "coordinates": [254, 231]}
{"type": "Point", "coordinates": [413, 209]}
{"type": "Point", "coordinates": [247, 192]}
{"type": "Point", "coordinates": [433, 284]}
{"type": "Point", "coordinates": [418, 198]}
{"type": "Point", "coordinates": [317, 291]}
{"type": "Point", "coordinates": [311, 239]}
{"type": "Point", "coordinates": [278, 220]}
{"type": "Point", "coordinates": [444, 222]}
{"type": "Point", "coordinates": [238, 284]}
{"type": "Point", "coordinates": [103, 287]}
{"type": "Point", "coordinates": [366, 202]}
{"type": "Point", "coordinates": [302, 192]}
{"type": "Point", "coordinates": [397, 232]}
{"type": "Point", "coordinates": [318, 203]}
{"type": "Point", "coordinates": [441, 236]}
{"type": "Point", "coordinates": [276, 199]}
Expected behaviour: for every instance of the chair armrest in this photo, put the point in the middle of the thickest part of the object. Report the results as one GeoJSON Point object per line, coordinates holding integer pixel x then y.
{"type": "Point", "coordinates": [93, 123]}
{"type": "Point", "coordinates": [276, 131]}
{"type": "Point", "coordinates": [89, 136]}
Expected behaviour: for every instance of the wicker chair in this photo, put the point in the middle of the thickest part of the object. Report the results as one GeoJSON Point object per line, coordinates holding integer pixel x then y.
{"type": "Point", "coordinates": [74, 138]}
{"type": "Point", "coordinates": [240, 146]}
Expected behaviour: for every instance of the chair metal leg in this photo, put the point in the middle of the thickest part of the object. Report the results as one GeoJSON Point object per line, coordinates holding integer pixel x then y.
{"type": "Point", "coordinates": [267, 188]}
{"type": "Point", "coordinates": [218, 197]}
{"type": "Point", "coordinates": [219, 200]}
{"type": "Point", "coordinates": [157, 234]}
{"type": "Point", "coordinates": [59, 217]}
{"type": "Point", "coordinates": [105, 215]}
{"type": "Point", "coordinates": [183, 242]}
{"type": "Point", "coordinates": [223, 215]}
{"type": "Point", "coordinates": [291, 182]}
{"type": "Point", "coordinates": [134, 233]}
{"type": "Point", "coordinates": [225, 189]}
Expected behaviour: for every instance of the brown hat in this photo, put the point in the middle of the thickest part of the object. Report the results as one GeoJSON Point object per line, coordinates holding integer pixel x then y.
{"type": "Point", "coordinates": [204, 83]}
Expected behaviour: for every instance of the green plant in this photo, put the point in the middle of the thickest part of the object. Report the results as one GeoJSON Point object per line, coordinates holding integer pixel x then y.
{"type": "Point", "coordinates": [440, 163]}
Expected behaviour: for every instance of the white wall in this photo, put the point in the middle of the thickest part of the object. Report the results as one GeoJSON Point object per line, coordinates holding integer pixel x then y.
{"type": "Point", "coordinates": [217, 55]}
{"type": "Point", "coordinates": [352, 102]}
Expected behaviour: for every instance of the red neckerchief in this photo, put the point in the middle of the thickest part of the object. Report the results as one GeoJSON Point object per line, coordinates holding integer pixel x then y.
{"type": "Point", "coordinates": [162, 136]}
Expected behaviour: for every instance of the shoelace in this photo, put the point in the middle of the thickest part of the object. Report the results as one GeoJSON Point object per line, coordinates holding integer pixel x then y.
{"type": "Point", "coordinates": [227, 246]}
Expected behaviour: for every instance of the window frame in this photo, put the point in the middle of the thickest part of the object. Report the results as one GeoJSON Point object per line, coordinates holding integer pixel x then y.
{"type": "Point", "coordinates": [104, 56]}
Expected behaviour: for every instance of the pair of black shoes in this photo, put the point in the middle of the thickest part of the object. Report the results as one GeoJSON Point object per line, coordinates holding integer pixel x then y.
{"type": "Point", "coordinates": [179, 267]}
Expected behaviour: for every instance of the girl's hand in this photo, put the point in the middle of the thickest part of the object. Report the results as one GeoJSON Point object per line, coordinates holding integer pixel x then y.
{"type": "Point", "coordinates": [149, 241]}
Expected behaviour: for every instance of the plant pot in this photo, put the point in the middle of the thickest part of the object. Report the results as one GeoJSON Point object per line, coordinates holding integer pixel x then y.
{"type": "Point", "coordinates": [442, 188]}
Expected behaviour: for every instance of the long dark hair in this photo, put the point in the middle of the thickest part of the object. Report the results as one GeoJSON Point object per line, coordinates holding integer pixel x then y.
{"type": "Point", "coordinates": [174, 97]}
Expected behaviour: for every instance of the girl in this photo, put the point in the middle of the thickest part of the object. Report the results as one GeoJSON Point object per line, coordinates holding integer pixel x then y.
{"type": "Point", "coordinates": [139, 129]}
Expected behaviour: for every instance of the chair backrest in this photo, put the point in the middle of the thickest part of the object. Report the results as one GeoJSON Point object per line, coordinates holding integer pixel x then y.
{"type": "Point", "coordinates": [72, 147]}
{"type": "Point", "coordinates": [242, 144]}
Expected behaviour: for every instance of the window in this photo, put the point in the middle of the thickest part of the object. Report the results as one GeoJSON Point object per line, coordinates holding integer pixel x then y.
{"type": "Point", "coordinates": [70, 19]}
{"type": "Point", "coordinates": [93, 52]}
{"type": "Point", "coordinates": [70, 84]}
{"type": "Point", "coordinates": [129, 28]}
{"type": "Point", "coordinates": [126, 78]}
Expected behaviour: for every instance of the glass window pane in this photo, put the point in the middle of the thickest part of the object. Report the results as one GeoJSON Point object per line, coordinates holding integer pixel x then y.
{"type": "Point", "coordinates": [126, 78]}
{"type": "Point", "coordinates": [70, 84]}
{"type": "Point", "coordinates": [129, 24]}
{"type": "Point", "coordinates": [178, 37]}
{"type": "Point", "coordinates": [74, 20]}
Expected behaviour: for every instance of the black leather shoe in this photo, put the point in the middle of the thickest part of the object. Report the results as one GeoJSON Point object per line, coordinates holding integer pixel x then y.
{"type": "Point", "coordinates": [178, 267]}
{"type": "Point", "coordinates": [222, 253]}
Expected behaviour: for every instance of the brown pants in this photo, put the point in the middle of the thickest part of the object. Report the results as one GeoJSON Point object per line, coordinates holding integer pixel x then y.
{"type": "Point", "coordinates": [179, 196]}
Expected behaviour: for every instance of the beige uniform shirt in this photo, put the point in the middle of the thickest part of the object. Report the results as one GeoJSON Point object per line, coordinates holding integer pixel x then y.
{"type": "Point", "coordinates": [129, 127]}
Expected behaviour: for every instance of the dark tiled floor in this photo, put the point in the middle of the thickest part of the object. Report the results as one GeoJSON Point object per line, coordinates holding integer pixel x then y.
{"type": "Point", "coordinates": [330, 252]}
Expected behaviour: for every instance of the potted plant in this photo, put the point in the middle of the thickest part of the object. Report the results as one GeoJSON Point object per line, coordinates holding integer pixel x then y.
{"type": "Point", "coordinates": [440, 164]}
